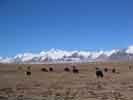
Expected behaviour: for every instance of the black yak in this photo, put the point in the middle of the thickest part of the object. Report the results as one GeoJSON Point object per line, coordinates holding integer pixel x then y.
{"type": "Point", "coordinates": [51, 69]}
{"type": "Point", "coordinates": [28, 73]}
{"type": "Point", "coordinates": [44, 70]}
{"type": "Point", "coordinates": [75, 70]}
{"type": "Point", "coordinates": [113, 70]}
{"type": "Point", "coordinates": [99, 73]}
{"type": "Point", "coordinates": [66, 69]}
{"type": "Point", "coordinates": [105, 69]}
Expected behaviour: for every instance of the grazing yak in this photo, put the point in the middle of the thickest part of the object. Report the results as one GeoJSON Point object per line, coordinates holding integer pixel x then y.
{"type": "Point", "coordinates": [130, 67]}
{"type": "Point", "coordinates": [51, 69]}
{"type": "Point", "coordinates": [28, 73]}
{"type": "Point", "coordinates": [99, 73]}
{"type": "Point", "coordinates": [105, 69]}
{"type": "Point", "coordinates": [44, 70]}
{"type": "Point", "coordinates": [66, 69]}
{"type": "Point", "coordinates": [113, 70]}
{"type": "Point", "coordinates": [75, 70]}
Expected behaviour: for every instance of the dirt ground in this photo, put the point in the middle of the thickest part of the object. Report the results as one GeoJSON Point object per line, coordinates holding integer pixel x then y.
{"type": "Point", "coordinates": [61, 85]}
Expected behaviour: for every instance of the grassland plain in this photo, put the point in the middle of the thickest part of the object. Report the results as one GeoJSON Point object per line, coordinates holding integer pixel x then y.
{"type": "Point", "coordinates": [61, 85]}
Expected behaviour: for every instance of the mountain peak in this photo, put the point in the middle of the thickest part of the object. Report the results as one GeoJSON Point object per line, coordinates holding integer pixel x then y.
{"type": "Point", "coordinates": [57, 55]}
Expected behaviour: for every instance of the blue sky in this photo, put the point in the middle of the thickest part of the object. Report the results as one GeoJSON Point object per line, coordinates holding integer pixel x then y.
{"type": "Point", "coordinates": [36, 25]}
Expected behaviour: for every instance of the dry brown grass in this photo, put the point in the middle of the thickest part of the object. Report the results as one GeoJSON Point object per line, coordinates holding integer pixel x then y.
{"type": "Point", "coordinates": [60, 85]}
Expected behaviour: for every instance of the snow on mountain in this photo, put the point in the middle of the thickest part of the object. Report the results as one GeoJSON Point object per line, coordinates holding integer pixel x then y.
{"type": "Point", "coordinates": [130, 50]}
{"type": "Point", "coordinates": [6, 60]}
{"type": "Point", "coordinates": [56, 55]}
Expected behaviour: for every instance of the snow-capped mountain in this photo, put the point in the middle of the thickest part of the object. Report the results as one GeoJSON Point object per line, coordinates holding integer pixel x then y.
{"type": "Point", "coordinates": [56, 56]}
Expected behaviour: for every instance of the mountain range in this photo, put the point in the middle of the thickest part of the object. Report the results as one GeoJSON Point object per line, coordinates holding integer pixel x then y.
{"type": "Point", "coordinates": [61, 56]}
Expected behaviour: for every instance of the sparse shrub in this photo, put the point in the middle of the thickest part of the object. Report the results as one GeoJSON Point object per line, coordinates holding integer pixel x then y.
{"type": "Point", "coordinates": [29, 67]}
